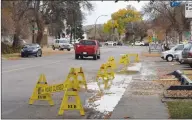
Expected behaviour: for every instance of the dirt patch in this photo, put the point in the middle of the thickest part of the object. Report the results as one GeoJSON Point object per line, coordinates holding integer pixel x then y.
{"type": "Point", "coordinates": [13, 56]}
{"type": "Point", "coordinates": [151, 54]}
{"type": "Point", "coordinates": [50, 51]}
{"type": "Point", "coordinates": [46, 52]}
{"type": "Point", "coordinates": [95, 97]}
{"type": "Point", "coordinates": [167, 83]}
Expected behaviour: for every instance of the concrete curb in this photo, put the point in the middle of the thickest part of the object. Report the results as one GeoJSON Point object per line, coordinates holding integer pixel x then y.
{"type": "Point", "coordinates": [182, 77]}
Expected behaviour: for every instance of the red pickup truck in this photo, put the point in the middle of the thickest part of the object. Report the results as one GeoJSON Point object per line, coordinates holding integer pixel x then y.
{"type": "Point", "coordinates": [86, 48]}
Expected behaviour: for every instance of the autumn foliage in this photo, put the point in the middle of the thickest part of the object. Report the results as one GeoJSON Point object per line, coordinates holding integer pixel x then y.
{"type": "Point", "coordinates": [120, 18]}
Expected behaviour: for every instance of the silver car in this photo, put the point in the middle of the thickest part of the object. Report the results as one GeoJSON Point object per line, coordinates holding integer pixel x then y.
{"type": "Point", "coordinates": [62, 44]}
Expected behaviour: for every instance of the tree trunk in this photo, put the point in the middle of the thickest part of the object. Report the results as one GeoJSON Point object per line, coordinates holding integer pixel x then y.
{"type": "Point", "coordinates": [141, 38]}
{"type": "Point", "coordinates": [166, 34]}
{"type": "Point", "coordinates": [40, 26]}
{"type": "Point", "coordinates": [180, 36]}
{"type": "Point", "coordinates": [16, 38]}
{"type": "Point", "coordinates": [119, 36]}
{"type": "Point", "coordinates": [40, 23]}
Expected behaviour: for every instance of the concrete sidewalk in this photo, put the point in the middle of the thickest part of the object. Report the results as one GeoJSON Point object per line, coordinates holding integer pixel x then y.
{"type": "Point", "coordinates": [142, 98]}
{"type": "Point", "coordinates": [140, 107]}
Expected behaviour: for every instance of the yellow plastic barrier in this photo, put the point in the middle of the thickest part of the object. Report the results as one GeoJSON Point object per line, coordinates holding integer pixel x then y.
{"type": "Point", "coordinates": [110, 71]}
{"type": "Point", "coordinates": [71, 86]}
{"type": "Point", "coordinates": [79, 72]}
{"type": "Point", "coordinates": [42, 82]}
{"type": "Point", "coordinates": [66, 105]}
{"type": "Point", "coordinates": [105, 75]}
{"type": "Point", "coordinates": [111, 60]}
{"type": "Point", "coordinates": [136, 57]}
{"type": "Point", "coordinates": [71, 90]}
{"type": "Point", "coordinates": [124, 60]}
{"type": "Point", "coordinates": [61, 87]}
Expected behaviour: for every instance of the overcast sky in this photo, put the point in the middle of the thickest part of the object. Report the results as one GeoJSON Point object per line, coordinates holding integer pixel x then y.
{"type": "Point", "coordinates": [107, 8]}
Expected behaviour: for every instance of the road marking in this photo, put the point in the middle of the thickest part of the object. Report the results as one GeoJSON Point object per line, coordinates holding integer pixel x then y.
{"type": "Point", "coordinates": [28, 67]}
{"type": "Point", "coordinates": [13, 66]}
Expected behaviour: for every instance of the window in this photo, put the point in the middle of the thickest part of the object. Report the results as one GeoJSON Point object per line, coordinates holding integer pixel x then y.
{"type": "Point", "coordinates": [63, 41]}
{"type": "Point", "coordinates": [188, 46]}
{"type": "Point", "coordinates": [180, 47]}
{"type": "Point", "coordinates": [87, 42]}
{"type": "Point", "coordinates": [57, 41]}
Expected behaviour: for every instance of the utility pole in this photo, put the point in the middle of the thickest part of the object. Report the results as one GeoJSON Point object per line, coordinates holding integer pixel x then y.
{"type": "Point", "coordinates": [96, 23]}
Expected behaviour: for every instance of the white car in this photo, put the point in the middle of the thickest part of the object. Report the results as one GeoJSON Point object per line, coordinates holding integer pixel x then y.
{"type": "Point", "coordinates": [62, 44]}
{"type": "Point", "coordinates": [139, 43]}
{"type": "Point", "coordinates": [169, 54]}
{"type": "Point", "coordinates": [110, 43]}
{"type": "Point", "coordinates": [178, 56]}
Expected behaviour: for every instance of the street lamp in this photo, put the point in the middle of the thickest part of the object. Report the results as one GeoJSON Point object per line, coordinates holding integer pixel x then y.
{"type": "Point", "coordinates": [96, 22]}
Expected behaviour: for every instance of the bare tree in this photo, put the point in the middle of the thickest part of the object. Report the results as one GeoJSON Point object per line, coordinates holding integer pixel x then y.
{"type": "Point", "coordinates": [140, 29]}
{"type": "Point", "coordinates": [17, 11]}
{"type": "Point", "coordinates": [168, 17]}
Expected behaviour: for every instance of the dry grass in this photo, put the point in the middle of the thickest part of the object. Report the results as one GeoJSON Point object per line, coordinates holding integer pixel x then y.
{"type": "Point", "coordinates": [13, 56]}
{"type": "Point", "coordinates": [46, 52]}
{"type": "Point", "coordinates": [50, 51]}
{"type": "Point", "coordinates": [168, 82]}
{"type": "Point", "coordinates": [151, 54]}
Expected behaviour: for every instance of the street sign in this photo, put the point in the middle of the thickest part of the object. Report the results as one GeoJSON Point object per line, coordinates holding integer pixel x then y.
{"type": "Point", "coordinates": [175, 3]}
{"type": "Point", "coordinates": [188, 10]}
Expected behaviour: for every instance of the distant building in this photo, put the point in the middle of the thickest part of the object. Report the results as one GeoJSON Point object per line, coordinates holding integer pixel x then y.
{"type": "Point", "coordinates": [85, 36]}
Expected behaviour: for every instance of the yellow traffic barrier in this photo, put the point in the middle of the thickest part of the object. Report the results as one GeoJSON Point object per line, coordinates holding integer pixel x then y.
{"type": "Point", "coordinates": [136, 57]}
{"type": "Point", "coordinates": [104, 76]}
{"type": "Point", "coordinates": [124, 60]}
{"type": "Point", "coordinates": [71, 90]}
{"type": "Point", "coordinates": [110, 71]}
{"type": "Point", "coordinates": [79, 72]}
{"type": "Point", "coordinates": [66, 105]}
{"type": "Point", "coordinates": [61, 87]}
{"type": "Point", "coordinates": [71, 86]}
{"type": "Point", "coordinates": [42, 82]}
{"type": "Point", "coordinates": [112, 62]}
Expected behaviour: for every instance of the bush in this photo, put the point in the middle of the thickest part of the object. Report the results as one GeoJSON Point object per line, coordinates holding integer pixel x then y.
{"type": "Point", "coordinates": [7, 49]}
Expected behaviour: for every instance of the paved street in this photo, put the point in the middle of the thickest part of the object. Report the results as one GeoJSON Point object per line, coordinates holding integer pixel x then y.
{"type": "Point", "coordinates": [20, 76]}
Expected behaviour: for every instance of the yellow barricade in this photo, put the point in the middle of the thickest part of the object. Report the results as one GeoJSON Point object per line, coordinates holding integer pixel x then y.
{"type": "Point", "coordinates": [112, 62]}
{"type": "Point", "coordinates": [104, 76]}
{"type": "Point", "coordinates": [71, 86]}
{"type": "Point", "coordinates": [136, 57]}
{"type": "Point", "coordinates": [71, 91]}
{"type": "Point", "coordinates": [124, 60]}
{"type": "Point", "coordinates": [79, 72]}
{"type": "Point", "coordinates": [110, 71]}
{"type": "Point", "coordinates": [42, 82]}
{"type": "Point", "coordinates": [61, 87]}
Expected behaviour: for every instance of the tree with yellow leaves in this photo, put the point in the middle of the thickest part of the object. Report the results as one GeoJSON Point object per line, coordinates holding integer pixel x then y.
{"type": "Point", "coordinates": [120, 19]}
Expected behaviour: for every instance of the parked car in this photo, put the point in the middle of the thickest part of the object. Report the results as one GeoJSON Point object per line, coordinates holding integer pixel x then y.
{"type": "Point", "coordinates": [146, 44]}
{"type": "Point", "coordinates": [86, 48]}
{"type": "Point", "coordinates": [110, 43]}
{"type": "Point", "coordinates": [119, 43]}
{"type": "Point", "coordinates": [178, 56]}
{"type": "Point", "coordinates": [31, 49]}
{"type": "Point", "coordinates": [62, 44]}
{"type": "Point", "coordinates": [169, 54]}
{"type": "Point", "coordinates": [139, 43]}
{"type": "Point", "coordinates": [187, 54]}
